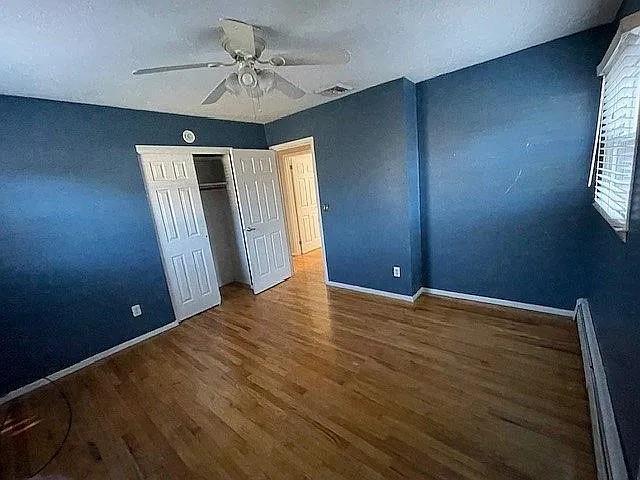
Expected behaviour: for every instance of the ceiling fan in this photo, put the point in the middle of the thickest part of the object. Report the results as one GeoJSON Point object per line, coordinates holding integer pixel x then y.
{"type": "Point", "coordinates": [253, 76]}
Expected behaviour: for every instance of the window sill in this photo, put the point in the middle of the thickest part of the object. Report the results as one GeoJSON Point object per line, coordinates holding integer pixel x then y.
{"type": "Point", "coordinates": [621, 230]}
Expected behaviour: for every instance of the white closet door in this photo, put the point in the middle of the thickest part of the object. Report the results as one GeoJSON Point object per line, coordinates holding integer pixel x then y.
{"type": "Point", "coordinates": [262, 215]}
{"type": "Point", "coordinates": [172, 188]}
{"type": "Point", "coordinates": [304, 187]}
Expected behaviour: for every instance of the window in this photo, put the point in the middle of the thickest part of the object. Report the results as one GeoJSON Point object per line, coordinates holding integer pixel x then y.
{"type": "Point", "coordinates": [612, 169]}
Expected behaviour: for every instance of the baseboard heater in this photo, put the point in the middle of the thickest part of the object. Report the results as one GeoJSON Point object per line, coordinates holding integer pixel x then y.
{"type": "Point", "coordinates": [606, 440]}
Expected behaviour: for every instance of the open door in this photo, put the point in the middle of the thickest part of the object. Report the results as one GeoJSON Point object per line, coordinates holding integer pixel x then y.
{"type": "Point", "coordinates": [172, 188]}
{"type": "Point", "coordinates": [262, 216]}
{"type": "Point", "coordinates": [304, 188]}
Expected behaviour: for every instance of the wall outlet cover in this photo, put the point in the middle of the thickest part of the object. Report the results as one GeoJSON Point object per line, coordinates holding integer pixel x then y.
{"type": "Point", "coordinates": [136, 310]}
{"type": "Point", "coordinates": [396, 271]}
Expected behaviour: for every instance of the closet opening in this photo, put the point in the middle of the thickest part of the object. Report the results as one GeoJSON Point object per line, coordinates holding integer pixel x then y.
{"type": "Point", "coordinates": [222, 217]}
{"type": "Point", "coordinates": [219, 219]}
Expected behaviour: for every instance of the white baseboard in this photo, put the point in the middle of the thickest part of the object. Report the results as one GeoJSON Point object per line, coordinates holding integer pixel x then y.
{"type": "Point", "coordinates": [497, 301]}
{"type": "Point", "coordinates": [460, 296]}
{"type": "Point", "coordinates": [84, 363]}
{"type": "Point", "coordinates": [416, 295]}
{"type": "Point", "coordinates": [371, 291]}
{"type": "Point", "coordinates": [606, 439]}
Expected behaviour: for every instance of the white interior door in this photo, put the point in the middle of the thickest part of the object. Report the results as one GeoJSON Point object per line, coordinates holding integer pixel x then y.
{"type": "Point", "coordinates": [262, 215]}
{"type": "Point", "coordinates": [304, 187]}
{"type": "Point", "coordinates": [172, 188]}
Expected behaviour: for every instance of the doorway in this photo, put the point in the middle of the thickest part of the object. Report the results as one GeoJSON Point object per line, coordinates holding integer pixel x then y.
{"type": "Point", "coordinates": [298, 176]}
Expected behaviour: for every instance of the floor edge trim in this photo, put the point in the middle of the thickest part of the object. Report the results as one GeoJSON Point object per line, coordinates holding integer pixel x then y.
{"type": "Point", "coordinates": [497, 301]}
{"type": "Point", "coordinates": [84, 363]}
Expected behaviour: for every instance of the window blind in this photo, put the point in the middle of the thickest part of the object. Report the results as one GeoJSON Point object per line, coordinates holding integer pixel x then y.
{"type": "Point", "coordinates": [615, 149]}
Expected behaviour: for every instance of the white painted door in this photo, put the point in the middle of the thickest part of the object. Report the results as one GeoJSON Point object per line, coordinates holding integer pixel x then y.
{"type": "Point", "coordinates": [304, 187]}
{"type": "Point", "coordinates": [172, 188]}
{"type": "Point", "coordinates": [262, 215]}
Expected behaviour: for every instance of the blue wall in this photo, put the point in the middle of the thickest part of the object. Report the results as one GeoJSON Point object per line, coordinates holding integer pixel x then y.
{"type": "Point", "coordinates": [413, 183]}
{"type": "Point", "coordinates": [505, 149]}
{"type": "Point", "coordinates": [614, 296]}
{"type": "Point", "coordinates": [77, 239]}
{"type": "Point", "coordinates": [628, 7]}
{"type": "Point", "coordinates": [367, 165]}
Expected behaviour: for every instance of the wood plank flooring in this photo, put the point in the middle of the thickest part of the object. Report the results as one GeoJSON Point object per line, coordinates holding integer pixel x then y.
{"type": "Point", "coordinates": [308, 382]}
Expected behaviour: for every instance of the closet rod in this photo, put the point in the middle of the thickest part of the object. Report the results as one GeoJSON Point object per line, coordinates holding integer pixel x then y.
{"type": "Point", "coordinates": [213, 186]}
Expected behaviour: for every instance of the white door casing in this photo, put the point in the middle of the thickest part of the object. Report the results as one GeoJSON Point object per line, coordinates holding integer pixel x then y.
{"type": "Point", "coordinates": [262, 215]}
{"type": "Point", "coordinates": [174, 196]}
{"type": "Point", "coordinates": [304, 188]}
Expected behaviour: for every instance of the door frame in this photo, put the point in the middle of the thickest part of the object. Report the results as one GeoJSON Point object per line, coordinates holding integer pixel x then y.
{"type": "Point", "coordinates": [308, 142]}
{"type": "Point", "coordinates": [140, 149]}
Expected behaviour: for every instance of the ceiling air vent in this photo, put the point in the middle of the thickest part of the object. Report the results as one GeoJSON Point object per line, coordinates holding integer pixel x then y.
{"type": "Point", "coordinates": [335, 91]}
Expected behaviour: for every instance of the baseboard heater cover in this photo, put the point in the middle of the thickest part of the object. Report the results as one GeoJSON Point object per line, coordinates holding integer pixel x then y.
{"type": "Point", "coordinates": [606, 440]}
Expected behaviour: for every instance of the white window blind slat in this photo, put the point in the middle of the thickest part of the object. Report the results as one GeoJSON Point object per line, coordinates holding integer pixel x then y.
{"type": "Point", "coordinates": [616, 138]}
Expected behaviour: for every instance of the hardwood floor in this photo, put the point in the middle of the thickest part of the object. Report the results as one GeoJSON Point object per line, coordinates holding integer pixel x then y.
{"type": "Point", "coordinates": [308, 382]}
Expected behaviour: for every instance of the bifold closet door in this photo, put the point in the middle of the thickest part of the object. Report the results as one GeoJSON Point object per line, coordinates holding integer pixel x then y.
{"type": "Point", "coordinates": [172, 189]}
{"type": "Point", "coordinates": [262, 215]}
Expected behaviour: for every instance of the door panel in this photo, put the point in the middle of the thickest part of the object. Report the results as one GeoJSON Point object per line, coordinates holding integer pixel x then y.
{"type": "Point", "coordinates": [306, 206]}
{"type": "Point", "coordinates": [261, 211]}
{"type": "Point", "coordinates": [172, 189]}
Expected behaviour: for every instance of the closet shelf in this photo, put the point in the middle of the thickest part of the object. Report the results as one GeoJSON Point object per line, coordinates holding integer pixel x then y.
{"type": "Point", "coordinates": [213, 186]}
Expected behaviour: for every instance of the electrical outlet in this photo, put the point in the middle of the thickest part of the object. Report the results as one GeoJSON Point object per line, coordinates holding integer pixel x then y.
{"type": "Point", "coordinates": [396, 271]}
{"type": "Point", "coordinates": [136, 310]}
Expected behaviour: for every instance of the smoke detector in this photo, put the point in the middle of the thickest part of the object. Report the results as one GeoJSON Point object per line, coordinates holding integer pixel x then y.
{"type": "Point", "coordinates": [335, 90]}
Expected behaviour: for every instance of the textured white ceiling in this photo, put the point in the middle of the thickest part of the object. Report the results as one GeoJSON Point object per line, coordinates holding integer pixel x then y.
{"type": "Point", "coordinates": [84, 51]}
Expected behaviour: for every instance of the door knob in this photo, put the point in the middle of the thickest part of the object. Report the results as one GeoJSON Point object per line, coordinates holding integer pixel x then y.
{"type": "Point", "coordinates": [249, 229]}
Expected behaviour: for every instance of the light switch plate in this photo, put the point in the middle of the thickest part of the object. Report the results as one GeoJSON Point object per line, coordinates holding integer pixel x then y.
{"type": "Point", "coordinates": [136, 310]}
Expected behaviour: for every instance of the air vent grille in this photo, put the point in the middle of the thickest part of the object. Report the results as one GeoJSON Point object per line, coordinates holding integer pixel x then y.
{"type": "Point", "coordinates": [335, 90]}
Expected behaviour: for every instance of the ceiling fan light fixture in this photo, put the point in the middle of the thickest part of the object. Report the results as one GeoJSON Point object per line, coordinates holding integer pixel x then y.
{"type": "Point", "coordinates": [277, 61]}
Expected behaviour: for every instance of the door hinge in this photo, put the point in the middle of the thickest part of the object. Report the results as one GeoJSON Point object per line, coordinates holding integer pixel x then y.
{"type": "Point", "coordinates": [290, 167]}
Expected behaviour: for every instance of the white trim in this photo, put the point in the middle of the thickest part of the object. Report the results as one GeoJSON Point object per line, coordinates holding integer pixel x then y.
{"type": "Point", "coordinates": [302, 142]}
{"type": "Point", "coordinates": [182, 149]}
{"type": "Point", "coordinates": [497, 301]}
{"type": "Point", "coordinates": [416, 295]}
{"type": "Point", "coordinates": [85, 363]}
{"type": "Point", "coordinates": [606, 439]}
{"type": "Point", "coordinates": [371, 291]}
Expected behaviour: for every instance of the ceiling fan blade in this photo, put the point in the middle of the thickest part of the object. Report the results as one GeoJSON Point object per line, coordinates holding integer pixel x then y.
{"type": "Point", "coordinates": [340, 57]}
{"type": "Point", "coordinates": [188, 66]}
{"type": "Point", "coordinates": [216, 93]}
{"type": "Point", "coordinates": [285, 86]}
{"type": "Point", "coordinates": [239, 37]}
